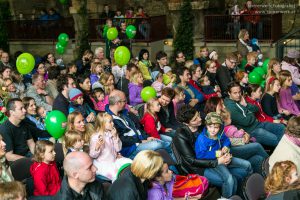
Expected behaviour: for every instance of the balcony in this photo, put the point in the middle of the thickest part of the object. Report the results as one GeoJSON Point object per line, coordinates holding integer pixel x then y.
{"type": "Point", "coordinates": [148, 29]}
{"type": "Point", "coordinates": [225, 28]}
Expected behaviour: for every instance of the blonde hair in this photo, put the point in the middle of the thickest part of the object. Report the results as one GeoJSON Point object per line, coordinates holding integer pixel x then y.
{"type": "Point", "coordinates": [40, 149]}
{"type": "Point", "coordinates": [70, 138]}
{"type": "Point", "coordinates": [271, 63]}
{"type": "Point", "coordinates": [134, 75]}
{"type": "Point", "coordinates": [101, 120]}
{"type": "Point", "coordinates": [12, 190]}
{"type": "Point", "coordinates": [242, 34]}
{"type": "Point", "coordinates": [94, 65]}
{"type": "Point", "coordinates": [103, 80]}
{"type": "Point", "coordinates": [276, 181]}
{"type": "Point", "coordinates": [208, 63]}
{"type": "Point", "coordinates": [189, 63]}
{"type": "Point", "coordinates": [147, 164]}
{"type": "Point", "coordinates": [149, 104]}
{"type": "Point", "coordinates": [283, 76]}
{"type": "Point", "coordinates": [252, 54]}
{"type": "Point", "coordinates": [225, 114]}
{"type": "Point", "coordinates": [71, 119]}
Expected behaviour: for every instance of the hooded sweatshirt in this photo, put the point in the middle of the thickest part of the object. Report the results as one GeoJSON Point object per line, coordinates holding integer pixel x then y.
{"type": "Point", "coordinates": [242, 116]}
{"type": "Point", "coordinates": [158, 192]}
{"type": "Point", "coordinates": [135, 94]}
{"type": "Point", "coordinates": [152, 125]}
{"type": "Point", "coordinates": [46, 178]}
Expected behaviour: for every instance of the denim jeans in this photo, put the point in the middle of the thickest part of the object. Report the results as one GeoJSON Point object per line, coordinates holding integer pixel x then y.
{"type": "Point", "coordinates": [253, 152]}
{"type": "Point", "coordinates": [267, 133]}
{"type": "Point", "coordinates": [165, 138]}
{"type": "Point", "coordinates": [229, 176]}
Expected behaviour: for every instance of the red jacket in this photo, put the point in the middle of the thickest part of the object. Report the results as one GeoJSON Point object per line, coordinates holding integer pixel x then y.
{"type": "Point", "coordinates": [206, 96]}
{"type": "Point", "coordinates": [152, 125]}
{"type": "Point", "coordinates": [46, 178]}
{"type": "Point", "coordinates": [260, 115]}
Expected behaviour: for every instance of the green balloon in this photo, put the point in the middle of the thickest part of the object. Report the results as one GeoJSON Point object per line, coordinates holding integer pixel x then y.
{"type": "Point", "coordinates": [254, 78]}
{"type": "Point", "coordinates": [260, 71]}
{"type": "Point", "coordinates": [243, 64]}
{"type": "Point", "coordinates": [112, 33]}
{"type": "Point", "coordinates": [265, 65]}
{"type": "Point", "coordinates": [60, 49]}
{"type": "Point", "coordinates": [56, 123]}
{"type": "Point", "coordinates": [63, 1]}
{"type": "Point", "coordinates": [63, 39]}
{"type": "Point", "coordinates": [148, 93]}
{"type": "Point", "coordinates": [263, 84]}
{"type": "Point", "coordinates": [122, 55]}
{"type": "Point", "coordinates": [105, 29]}
{"type": "Point", "coordinates": [130, 31]}
{"type": "Point", "coordinates": [25, 63]}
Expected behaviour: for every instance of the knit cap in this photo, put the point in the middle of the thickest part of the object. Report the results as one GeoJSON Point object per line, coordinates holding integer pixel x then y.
{"type": "Point", "coordinates": [213, 118]}
{"type": "Point", "coordinates": [292, 53]}
{"type": "Point", "coordinates": [74, 93]}
{"type": "Point", "coordinates": [167, 69]}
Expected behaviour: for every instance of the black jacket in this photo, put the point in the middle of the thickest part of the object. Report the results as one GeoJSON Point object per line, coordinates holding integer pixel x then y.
{"type": "Point", "coordinates": [290, 195]}
{"type": "Point", "coordinates": [61, 103]}
{"type": "Point", "coordinates": [223, 77]}
{"type": "Point", "coordinates": [92, 191]}
{"type": "Point", "coordinates": [35, 132]}
{"type": "Point", "coordinates": [184, 145]}
{"type": "Point", "coordinates": [128, 187]}
{"type": "Point", "coordinates": [170, 122]}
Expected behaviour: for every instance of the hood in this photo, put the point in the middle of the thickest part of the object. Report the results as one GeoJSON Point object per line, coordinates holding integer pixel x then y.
{"type": "Point", "coordinates": [132, 85]}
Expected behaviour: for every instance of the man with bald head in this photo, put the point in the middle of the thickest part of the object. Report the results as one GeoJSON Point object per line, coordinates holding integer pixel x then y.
{"type": "Point", "coordinates": [79, 182]}
{"type": "Point", "coordinates": [133, 139]}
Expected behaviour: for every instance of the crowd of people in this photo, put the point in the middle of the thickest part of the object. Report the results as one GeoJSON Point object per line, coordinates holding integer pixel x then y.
{"type": "Point", "coordinates": [207, 117]}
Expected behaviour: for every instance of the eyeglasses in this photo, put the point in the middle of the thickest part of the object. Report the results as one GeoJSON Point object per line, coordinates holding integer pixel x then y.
{"type": "Point", "coordinates": [123, 101]}
{"type": "Point", "coordinates": [232, 62]}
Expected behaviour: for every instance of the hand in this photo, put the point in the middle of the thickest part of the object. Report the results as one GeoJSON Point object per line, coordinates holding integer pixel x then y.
{"type": "Point", "coordinates": [276, 121]}
{"type": "Point", "coordinates": [42, 92]}
{"type": "Point", "coordinates": [225, 150]}
{"type": "Point", "coordinates": [243, 101]}
{"type": "Point", "coordinates": [134, 111]}
{"type": "Point", "coordinates": [99, 143]}
{"type": "Point", "coordinates": [193, 102]}
{"type": "Point", "coordinates": [169, 129]}
{"type": "Point", "coordinates": [246, 138]}
{"type": "Point", "coordinates": [224, 159]}
{"type": "Point", "coordinates": [90, 117]}
{"type": "Point", "coordinates": [228, 156]}
{"type": "Point", "coordinates": [114, 132]}
{"type": "Point", "coordinates": [286, 112]}
{"type": "Point", "coordinates": [3, 110]}
{"type": "Point", "coordinates": [219, 94]}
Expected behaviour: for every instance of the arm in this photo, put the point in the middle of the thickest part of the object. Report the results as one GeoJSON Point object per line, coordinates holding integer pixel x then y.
{"type": "Point", "coordinates": [198, 95]}
{"type": "Point", "coordinates": [40, 182]}
{"type": "Point", "coordinates": [31, 145]}
{"type": "Point", "coordinates": [39, 100]}
{"type": "Point", "coordinates": [93, 152]}
{"type": "Point", "coordinates": [222, 79]}
{"type": "Point", "coordinates": [149, 126]}
{"type": "Point", "coordinates": [10, 156]}
{"type": "Point", "coordinates": [202, 150]}
{"type": "Point", "coordinates": [123, 134]}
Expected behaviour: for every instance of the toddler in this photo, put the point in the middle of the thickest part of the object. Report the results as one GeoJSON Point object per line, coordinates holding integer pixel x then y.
{"type": "Point", "coordinates": [99, 99]}
{"type": "Point", "coordinates": [135, 87]}
{"type": "Point", "coordinates": [207, 88]}
{"type": "Point", "coordinates": [158, 82]}
{"type": "Point", "coordinates": [178, 99]}
{"type": "Point", "coordinates": [251, 61]}
{"type": "Point", "coordinates": [73, 141]}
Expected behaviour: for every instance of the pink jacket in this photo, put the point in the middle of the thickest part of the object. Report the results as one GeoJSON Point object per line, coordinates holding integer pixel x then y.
{"type": "Point", "coordinates": [158, 86]}
{"type": "Point", "coordinates": [232, 131]}
{"type": "Point", "coordinates": [109, 150]}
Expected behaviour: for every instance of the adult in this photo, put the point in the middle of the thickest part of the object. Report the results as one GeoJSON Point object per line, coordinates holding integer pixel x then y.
{"type": "Point", "coordinates": [99, 54]}
{"type": "Point", "coordinates": [36, 125]}
{"type": "Point", "coordinates": [15, 133]}
{"type": "Point", "coordinates": [289, 145]}
{"type": "Point", "coordinates": [84, 84]}
{"type": "Point", "coordinates": [5, 72]}
{"type": "Point", "coordinates": [79, 181]}
{"type": "Point", "coordinates": [290, 63]}
{"type": "Point", "coordinates": [61, 102]}
{"type": "Point", "coordinates": [179, 59]}
{"type": "Point", "coordinates": [5, 172]}
{"type": "Point", "coordinates": [84, 64]}
{"type": "Point", "coordinates": [162, 61]}
{"type": "Point", "coordinates": [274, 68]}
{"type": "Point", "coordinates": [226, 73]}
{"type": "Point", "coordinates": [192, 96]}
{"type": "Point", "coordinates": [107, 13]}
{"type": "Point", "coordinates": [49, 60]}
{"type": "Point", "coordinates": [166, 113]}
{"type": "Point", "coordinates": [124, 80]}
{"type": "Point", "coordinates": [124, 40]}
{"type": "Point", "coordinates": [39, 92]}
{"type": "Point", "coordinates": [242, 44]}
{"type": "Point", "coordinates": [243, 117]}
{"type": "Point", "coordinates": [40, 69]}
{"type": "Point", "coordinates": [5, 59]}
{"type": "Point", "coordinates": [53, 73]}
{"type": "Point", "coordinates": [145, 64]}
{"type": "Point", "coordinates": [133, 139]}
{"type": "Point", "coordinates": [133, 185]}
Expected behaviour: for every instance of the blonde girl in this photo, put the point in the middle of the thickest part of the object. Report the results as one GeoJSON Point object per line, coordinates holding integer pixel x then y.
{"type": "Point", "coordinates": [104, 147]}
{"type": "Point", "coordinates": [273, 68]}
{"type": "Point", "coordinates": [44, 171]}
{"type": "Point", "coordinates": [107, 81]}
{"type": "Point", "coordinates": [283, 177]}
{"type": "Point", "coordinates": [73, 141]}
{"type": "Point", "coordinates": [135, 87]}
{"type": "Point", "coordinates": [96, 70]}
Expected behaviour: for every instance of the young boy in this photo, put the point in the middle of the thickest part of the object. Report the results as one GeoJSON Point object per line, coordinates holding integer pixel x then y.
{"type": "Point", "coordinates": [251, 61]}
{"type": "Point", "coordinates": [213, 144]}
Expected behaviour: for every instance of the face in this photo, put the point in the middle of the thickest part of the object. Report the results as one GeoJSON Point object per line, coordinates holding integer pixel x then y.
{"type": "Point", "coordinates": [166, 174]}
{"type": "Point", "coordinates": [5, 58]}
{"type": "Point", "coordinates": [206, 81]}
{"type": "Point", "coordinates": [276, 68]}
{"type": "Point", "coordinates": [19, 112]}
{"type": "Point", "coordinates": [249, 4]}
{"type": "Point", "coordinates": [212, 68]}
{"type": "Point", "coordinates": [79, 100]}
{"type": "Point", "coordinates": [227, 121]}
{"type": "Point", "coordinates": [73, 69]}
{"type": "Point", "coordinates": [78, 145]}
{"type": "Point", "coordinates": [10, 86]}
{"type": "Point", "coordinates": [50, 58]}
{"type": "Point", "coordinates": [42, 112]}
{"type": "Point", "coordinates": [31, 110]}
{"type": "Point", "coordinates": [215, 57]}
{"type": "Point", "coordinates": [79, 123]}
{"type": "Point", "coordinates": [6, 73]}
{"type": "Point", "coordinates": [122, 102]}
{"type": "Point", "coordinates": [99, 69]}
{"type": "Point", "coordinates": [220, 107]}
{"type": "Point", "coordinates": [86, 85]}
{"type": "Point", "coordinates": [245, 79]}
{"type": "Point", "coordinates": [145, 56]}
{"type": "Point", "coordinates": [196, 120]}
{"type": "Point", "coordinates": [288, 82]}
{"type": "Point", "coordinates": [181, 96]}
{"type": "Point", "coordinates": [204, 52]}
{"type": "Point", "coordinates": [213, 129]}
{"type": "Point", "coordinates": [235, 94]}
{"type": "Point", "coordinates": [197, 73]}
{"type": "Point", "coordinates": [40, 82]}
{"type": "Point", "coordinates": [71, 83]}
{"type": "Point", "coordinates": [41, 69]}
{"type": "Point", "coordinates": [185, 77]}
{"type": "Point", "coordinates": [155, 107]}
{"type": "Point", "coordinates": [100, 54]}
{"type": "Point", "coordinates": [293, 176]}
{"type": "Point", "coordinates": [2, 147]}
{"type": "Point", "coordinates": [99, 96]}
{"type": "Point", "coordinates": [49, 155]}
{"type": "Point", "coordinates": [110, 81]}
{"type": "Point", "coordinates": [109, 124]}
{"type": "Point", "coordinates": [123, 26]}
{"type": "Point", "coordinates": [140, 79]}
{"type": "Point", "coordinates": [87, 172]}
{"type": "Point", "coordinates": [180, 58]}
{"type": "Point", "coordinates": [163, 61]}
{"type": "Point", "coordinates": [276, 86]}
{"type": "Point", "coordinates": [230, 63]}
{"type": "Point", "coordinates": [252, 61]}
{"type": "Point", "coordinates": [164, 100]}
{"type": "Point", "coordinates": [246, 36]}
{"type": "Point", "coordinates": [257, 94]}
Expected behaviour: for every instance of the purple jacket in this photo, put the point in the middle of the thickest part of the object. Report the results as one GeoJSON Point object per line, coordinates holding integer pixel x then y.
{"type": "Point", "coordinates": [135, 94]}
{"type": "Point", "coordinates": [287, 102]}
{"type": "Point", "coordinates": [157, 192]}
{"type": "Point", "coordinates": [94, 78]}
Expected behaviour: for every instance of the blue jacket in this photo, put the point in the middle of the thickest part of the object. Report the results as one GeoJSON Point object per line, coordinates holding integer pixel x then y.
{"type": "Point", "coordinates": [206, 147]}
{"type": "Point", "coordinates": [84, 109]}
{"type": "Point", "coordinates": [197, 94]}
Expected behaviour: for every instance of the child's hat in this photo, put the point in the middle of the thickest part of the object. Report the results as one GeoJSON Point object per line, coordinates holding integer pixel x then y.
{"type": "Point", "coordinates": [167, 69]}
{"type": "Point", "coordinates": [74, 93]}
{"type": "Point", "coordinates": [212, 54]}
{"type": "Point", "coordinates": [213, 118]}
{"type": "Point", "coordinates": [154, 75]}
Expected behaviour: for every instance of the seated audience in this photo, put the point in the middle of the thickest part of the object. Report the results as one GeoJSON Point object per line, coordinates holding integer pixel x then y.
{"type": "Point", "coordinates": [135, 87]}
{"type": "Point", "coordinates": [73, 141]}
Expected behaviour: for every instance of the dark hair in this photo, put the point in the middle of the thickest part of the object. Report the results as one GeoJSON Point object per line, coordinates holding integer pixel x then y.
{"type": "Point", "coordinates": [211, 104]}
{"type": "Point", "coordinates": [180, 71]}
{"type": "Point", "coordinates": [251, 88]}
{"type": "Point", "coordinates": [232, 85]}
{"type": "Point", "coordinates": [26, 101]}
{"type": "Point", "coordinates": [3, 68]}
{"type": "Point", "coordinates": [53, 72]}
{"type": "Point", "coordinates": [160, 55]}
{"type": "Point", "coordinates": [11, 103]}
{"type": "Point", "coordinates": [130, 66]}
{"type": "Point", "coordinates": [185, 114]}
{"type": "Point", "coordinates": [177, 53]}
{"type": "Point", "coordinates": [81, 78]}
{"type": "Point", "coordinates": [62, 81]}
{"type": "Point", "coordinates": [97, 90]}
{"type": "Point", "coordinates": [142, 51]}
{"type": "Point", "coordinates": [169, 92]}
{"type": "Point", "coordinates": [69, 65]}
{"type": "Point", "coordinates": [193, 69]}
{"type": "Point", "coordinates": [45, 58]}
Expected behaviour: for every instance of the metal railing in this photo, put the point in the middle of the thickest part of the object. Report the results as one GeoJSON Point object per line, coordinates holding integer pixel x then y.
{"type": "Point", "coordinates": [148, 29]}
{"type": "Point", "coordinates": [224, 28]}
{"type": "Point", "coordinates": [290, 41]}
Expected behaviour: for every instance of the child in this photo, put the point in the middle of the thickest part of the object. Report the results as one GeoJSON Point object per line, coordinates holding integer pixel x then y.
{"type": "Point", "coordinates": [213, 56]}
{"type": "Point", "coordinates": [213, 144]}
{"type": "Point", "coordinates": [99, 99]}
{"type": "Point", "coordinates": [77, 103]}
{"type": "Point", "coordinates": [14, 190]}
{"type": "Point", "coordinates": [207, 88]}
{"type": "Point", "coordinates": [286, 100]}
{"type": "Point", "coordinates": [104, 147]}
{"type": "Point", "coordinates": [168, 77]}
{"type": "Point", "coordinates": [42, 113]}
{"type": "Point", "coordinates": [151, 123]}
{"type": "Point", "coordinates": [283, 178]}
{"type": "Point", "coordinates": [96, 70]}
{"type": "Point", "coordinates": [178, 99]}
{"type": "Point", "coordinates": [202, 57]}
{"type": "Point", "coordinates": [135, 87]}
{"type": "Point", "coordinates": [158, 82]}
{"type": "Point", "coordinates": [71, 68]}
{"type": "Point", "coordinates": [73, 141]}
{"type": "Point", "coordinates": [251, 60]}
{"type": "Point", "coordinates": [44, 171]}
{"type": "Point", "coordinates": [145, 64]}
{"type": "Point", "coordinates": [242, 78]}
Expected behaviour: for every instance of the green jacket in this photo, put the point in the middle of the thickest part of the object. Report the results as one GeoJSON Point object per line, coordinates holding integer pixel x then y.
{"type": "Point", "coordinates": [242, 117]}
